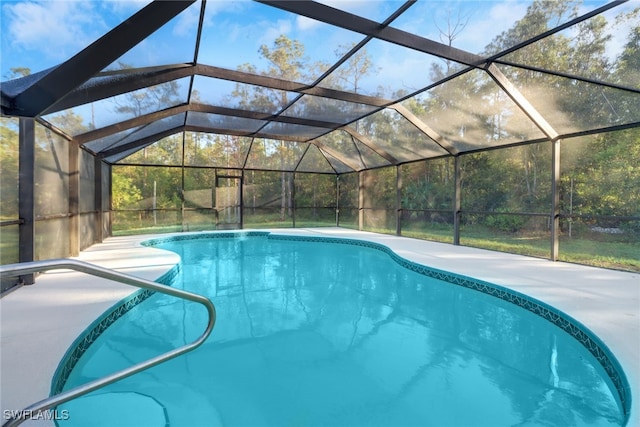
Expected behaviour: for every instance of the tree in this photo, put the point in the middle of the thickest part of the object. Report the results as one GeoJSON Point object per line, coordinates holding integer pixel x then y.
{"type": "Point", "coordinates": [16, 72]}
{"type": "Point", "coordinates": [358, 66]}
{"type": "Point", "coordinates": [627, 69]}
{"type": "Point", "coordinates": [138, 103]}
{"type": "Point", "coordinates": [8, 168]}
{"type": "Point", "coordinates": [125, 194]}
{"type": "Point", "coordinates": [448, 35]}
{"type": "Point", "coordinates": [629, 61]}
{"type": "Point", "coordinates": [287, 59]}
{"type": "Point", "coordinates": [152, 98]}
{"type": "Point", "coordinates": [607, 175]}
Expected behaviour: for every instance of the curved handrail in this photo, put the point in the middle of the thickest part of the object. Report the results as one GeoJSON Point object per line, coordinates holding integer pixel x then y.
{"type": "Point", "coordinates": [94, 270]}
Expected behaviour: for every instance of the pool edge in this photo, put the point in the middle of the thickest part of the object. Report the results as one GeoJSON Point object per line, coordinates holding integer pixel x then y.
{"type": "Point", "coordinates": [580, 332]}
{"type": "Point", "coordinates": [569, 324]}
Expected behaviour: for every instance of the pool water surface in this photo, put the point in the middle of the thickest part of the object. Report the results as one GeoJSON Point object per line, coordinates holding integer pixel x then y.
{"type": "Point", "coordinates": [329, 334]}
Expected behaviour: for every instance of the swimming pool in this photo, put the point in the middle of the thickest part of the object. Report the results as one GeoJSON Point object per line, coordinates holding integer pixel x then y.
{"type": "Point", "coordinates": [335, 332]}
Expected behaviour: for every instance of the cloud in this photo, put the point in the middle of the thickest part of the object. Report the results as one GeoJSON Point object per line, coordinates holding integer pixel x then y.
{"type": "Point", "coordinates": [126, 7]}
{"type": "Point", "coordinates": [398, 68]}
{"type": "Point", "coordinates": [305, 24]}
{"type": "Point", "coordinates": [57, 29]}
{"type": "Point", "coordinates": [237, 6]}
{"type": "Point", "coordinates": [234, 32]}
{"type": "Point", "coordinates": [228, 19]}
{"type": "Point", "coordinates": [505, 14]}
{"type": "Point", "coordinates": [371, 9]}
{"type": "Point", "coordinates": [482, 29]}
{"type": "Point", "coordinates": [483, 21]}
{"type": "Point", "coordinates": [187, 22]}
{"type": "Point", "coordinates": [273, 30]}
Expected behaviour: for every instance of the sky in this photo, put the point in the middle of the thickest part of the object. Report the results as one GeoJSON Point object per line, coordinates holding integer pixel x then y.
{"type": "Point", "coordinates": [40, 34]}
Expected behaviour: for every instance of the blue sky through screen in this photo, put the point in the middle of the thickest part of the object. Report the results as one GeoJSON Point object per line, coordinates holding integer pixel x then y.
{"type": "Point", "coordinates": [41, 34]}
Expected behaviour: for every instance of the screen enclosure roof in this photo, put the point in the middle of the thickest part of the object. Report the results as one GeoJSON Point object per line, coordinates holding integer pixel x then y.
{"type": "Point", "coordinates": [335, 86]}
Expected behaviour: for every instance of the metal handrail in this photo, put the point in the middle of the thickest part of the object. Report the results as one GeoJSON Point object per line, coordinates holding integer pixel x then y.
{"type": "Point", "coordinates": [84, 267]}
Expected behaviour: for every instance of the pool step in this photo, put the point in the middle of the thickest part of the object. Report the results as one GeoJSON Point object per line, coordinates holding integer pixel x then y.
{"type": "Point", "coordinates": [122, 409]}
{"type": "Point", "coordinates": [166, 406]}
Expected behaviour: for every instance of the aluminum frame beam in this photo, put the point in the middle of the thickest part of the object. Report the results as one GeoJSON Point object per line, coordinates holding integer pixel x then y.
{"type": "Point", "coordinates": [559, 28]}
{"type": "Point", "coordinates": [135, 79]}
{"type": "Point", "coordinates": [204, 108]}
{"type": "Point", "coordinates": [142, 120]}
{"type": "Point", "coordinates": [522, 102]}
{"type": "Point", "coordinates": [288, 85]}
{"type": "Point", "coordinates": [130, 81]}
{"type": "Point", "coordinates": [190, 128]}
{"type": "Point", "coordinates": [232, 112]}
{"type": "Point", "coordinates": [356, 23]}
{"type": "Point", "coordinates": [356, 166]}
{"type": "Point", "coordinates": [567, 76]}
{"type": "Point", "coordinates": [372, 145]}
{"type": "Point", "coordinates": [60, 81]}
{"type": "Point", "coordinates": [422, 127]}
{"type": "Point", "coordinates": [139, 143]}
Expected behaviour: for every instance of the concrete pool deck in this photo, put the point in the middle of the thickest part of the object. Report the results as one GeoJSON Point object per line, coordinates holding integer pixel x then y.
{"type": "Point", "coordinates": [38, 323]}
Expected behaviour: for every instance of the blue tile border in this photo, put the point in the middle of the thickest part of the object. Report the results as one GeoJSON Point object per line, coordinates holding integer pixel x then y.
{"type": "Point", "coordinates": [573, 327]}
{"type": "Point", "coordinates": [204, 235]}
{"type": "Point", "coordinates": [565, 322]}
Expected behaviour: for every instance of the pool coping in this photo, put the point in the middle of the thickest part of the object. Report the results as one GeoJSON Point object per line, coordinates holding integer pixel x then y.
{"type": "Point", "coordinates": [442, 256]}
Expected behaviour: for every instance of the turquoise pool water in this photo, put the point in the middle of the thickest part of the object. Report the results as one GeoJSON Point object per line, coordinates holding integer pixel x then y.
{"type": "Point", "coordinates": [330, 334]}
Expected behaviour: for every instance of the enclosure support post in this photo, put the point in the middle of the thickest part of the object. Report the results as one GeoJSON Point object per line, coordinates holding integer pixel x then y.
{"type": "Point", "coordinates": [74, 199]}
{"type": "Point", "coordinates": [398, 201]}
{"type": "Point", "coordinates": [360, 201]}
{"type": "Point", "coordinates": [337, 200]}
{"type": "Point", "coordinates": [456, 200]}
{"type": "Point", "coordinates": [97, 199]}
{"type": "Point", "coordinates": [241, 199]}
{"type": "Point", "coordinates": [26, 195]}
{"type": "Point", "coordinates": [293, 198]}
{"type": "Point", "coordinates": [182, 189]}
{"type": "Point", "coordinates": [555, 198]}
{"type": "Point", "coordinates": [110, 207]}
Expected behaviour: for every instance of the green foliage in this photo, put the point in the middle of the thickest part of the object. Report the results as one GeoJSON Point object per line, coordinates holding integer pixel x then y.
{"type": "Point", "coordinates": [139, 102]}
{"type": "Point", "coordinates": [286, 58]}
{"type": "Point", "coordinates": [357, 67]}
{"type": "Point", "coordinates": [628, 65]}
{"type": "Point", "coordinates": [125, 194]}
{"type": "Point", "coordinates": [16, 72]}
{"type": "Point", "coordinates": [506, 222]}
{"type": "Point", "coordinates": [428, 185]}
{"type": "Point", "coordinates": [8, 168]}
{"type": "Point", "coordinates": [70, 122]}
{"type": "Point", "coordinates": [605, 175]}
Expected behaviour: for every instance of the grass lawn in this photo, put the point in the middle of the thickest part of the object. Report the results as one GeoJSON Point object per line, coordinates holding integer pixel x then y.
{"type": "Point", "coordinates": [594, 249]}
{"type": "Point", "coordinates": [9, 244]}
